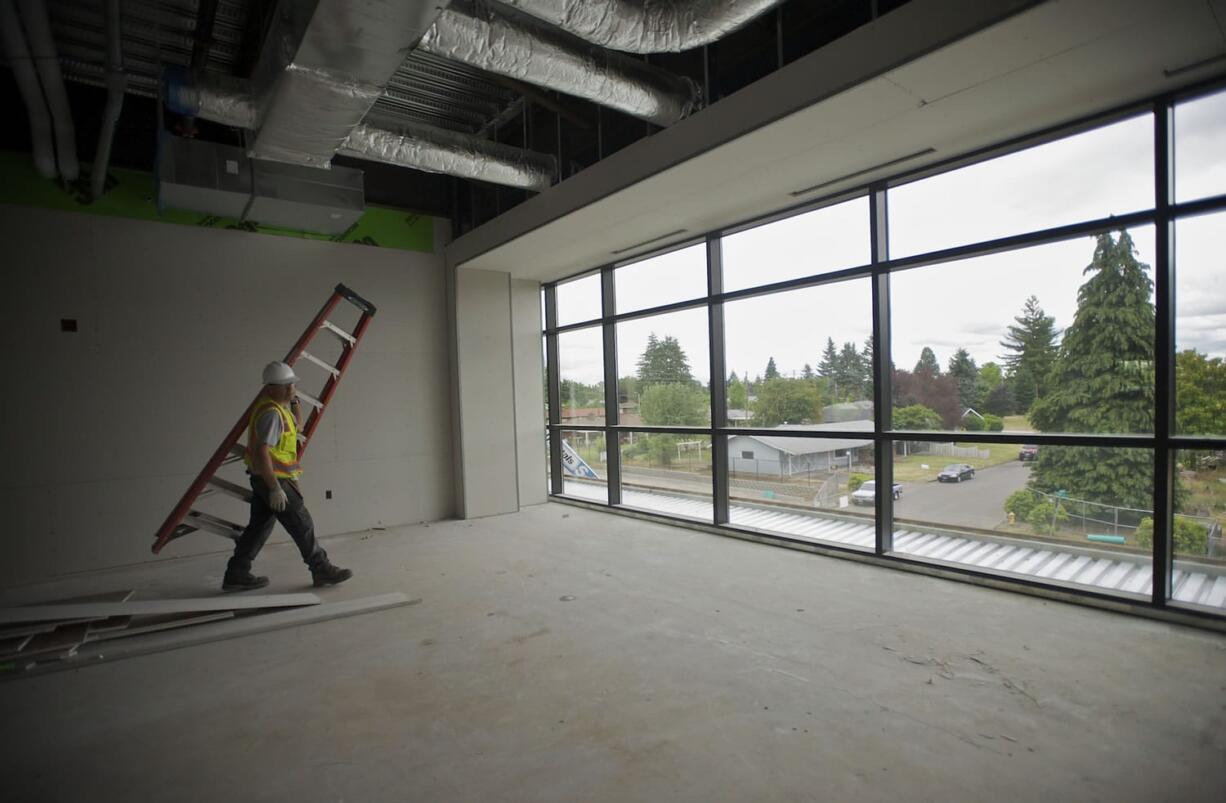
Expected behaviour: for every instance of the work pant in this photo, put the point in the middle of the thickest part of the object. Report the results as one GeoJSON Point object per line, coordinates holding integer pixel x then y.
{"type": "Point", "coordinates": [296, 520]}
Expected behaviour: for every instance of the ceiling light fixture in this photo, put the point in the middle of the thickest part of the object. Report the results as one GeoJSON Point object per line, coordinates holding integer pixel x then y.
{"type": "Point", "coordinates": [649, 242]}
{"type": "Point", "coordinates": [863, 172]}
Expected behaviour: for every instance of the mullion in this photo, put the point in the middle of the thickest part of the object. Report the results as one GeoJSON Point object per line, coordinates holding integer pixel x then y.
{"type": "Point", "coordinates": [1164, 353]}
{"type": "Point", "coordinates": [883, 404]}
{"type": "Point", "coordinates": [554, 384]}
{"type": "Point", "coordinates": [612, 445]}
{"type": "Point", "coordinates": [718, 388]}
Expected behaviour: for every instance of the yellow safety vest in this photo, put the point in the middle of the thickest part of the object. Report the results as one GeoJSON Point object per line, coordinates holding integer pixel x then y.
{"type": "Point", "coordinates": [285, 454]}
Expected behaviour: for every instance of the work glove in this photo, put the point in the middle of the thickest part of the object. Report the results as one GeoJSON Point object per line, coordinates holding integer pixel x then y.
{"type": "Point", "coordinates": [277, 500]}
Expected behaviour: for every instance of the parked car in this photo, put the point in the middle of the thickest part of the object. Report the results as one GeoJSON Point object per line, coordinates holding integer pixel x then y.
{"type": "Point", "coordinates": [1028, 452]}
{"type": "Point", "coordinates": [956, 472]}
{"type": "Point", "coordinates": [866, 494]}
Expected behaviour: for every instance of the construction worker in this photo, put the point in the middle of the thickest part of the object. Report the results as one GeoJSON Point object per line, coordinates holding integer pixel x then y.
{"type": "Point", "coordinates": [272, 462]}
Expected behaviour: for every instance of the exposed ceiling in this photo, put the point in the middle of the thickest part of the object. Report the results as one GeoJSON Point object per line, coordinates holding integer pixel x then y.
{"type": "Point", "coordinates": [224, 38]}
{"type": "Point", "coordinates": [1045, 66]}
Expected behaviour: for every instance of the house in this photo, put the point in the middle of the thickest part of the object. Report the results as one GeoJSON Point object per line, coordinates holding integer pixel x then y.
{"type": "Point", "coordinates": [790, 455]}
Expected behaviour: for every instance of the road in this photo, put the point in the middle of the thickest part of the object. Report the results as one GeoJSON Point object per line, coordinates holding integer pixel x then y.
{"type": "Point", "coordinates": [971, 503]}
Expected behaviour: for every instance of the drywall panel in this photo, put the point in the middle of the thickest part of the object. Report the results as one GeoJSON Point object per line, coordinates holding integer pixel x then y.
{"type": "Point", "coordinates": [486, 401]}
{"type": "Point", "coordinates": [529, 390]}
{"type": "Point", "coordinates": [105, 427]}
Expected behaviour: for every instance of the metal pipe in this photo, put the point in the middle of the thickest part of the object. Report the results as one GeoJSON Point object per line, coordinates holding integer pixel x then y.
{"type": "Point", "coordinates": [501, 40]}
{"type": "Point", "coordinates": [116, 84]}
{"type": "Point", "coordinates": [18, 55]}
{"type": "Point", "coordinates": [46, 61]}
{"type": "Point", "coordinates": [647, 26]}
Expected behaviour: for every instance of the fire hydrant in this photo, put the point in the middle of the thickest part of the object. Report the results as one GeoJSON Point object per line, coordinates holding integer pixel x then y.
{"type": "Point", "coordinates": [1012, 518]}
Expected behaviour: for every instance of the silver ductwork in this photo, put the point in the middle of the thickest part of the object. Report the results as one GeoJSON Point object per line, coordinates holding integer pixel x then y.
{"type": "Point", "coordinates": [436, 150]}
{"type": "Point", "coordinates": [46, 61]}
{"type": "Point", "coordinates": [115, 85]}
{"type": "Point", "coordinates": [504, 41]}
{"type": "Point", "coordinates": [18, 56]}
{"type": "Point", "coordinates": [323, 67]}
{"type": "Point", "coordinates": [413, 145]}
{"type": "Point", "coordinates": [644, 26]}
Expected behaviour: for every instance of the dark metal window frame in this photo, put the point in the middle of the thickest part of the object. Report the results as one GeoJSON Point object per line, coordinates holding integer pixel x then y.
{"type": "Point", "coordinates": [1163, 442]}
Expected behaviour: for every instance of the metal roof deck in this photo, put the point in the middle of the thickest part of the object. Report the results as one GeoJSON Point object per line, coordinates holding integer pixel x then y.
{"type": "Point", "coordinates": [1097, 569]}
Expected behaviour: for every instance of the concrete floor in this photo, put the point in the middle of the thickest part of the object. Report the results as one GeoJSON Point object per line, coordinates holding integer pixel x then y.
{"type": "Point", "coordinates": [561, 654]}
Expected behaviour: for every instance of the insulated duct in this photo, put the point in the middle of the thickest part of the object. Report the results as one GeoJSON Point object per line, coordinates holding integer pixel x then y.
{"type": "Point", "coordinates": [115, 85]}
{"type": "Point", "coordinates": [319, 75]}
{"type": "Point", "coordinates": [18, 56]}
{"type": "Point", "coordinates": [510, 43]}
{"type": "Point", "coordinates": [46, 61]}
{"type": "Point", "coordinates": [417, 146]}
{"type": "Point", "coordinates": [647, 26]}
{"type": "Point", "coordinates": [437, 150]}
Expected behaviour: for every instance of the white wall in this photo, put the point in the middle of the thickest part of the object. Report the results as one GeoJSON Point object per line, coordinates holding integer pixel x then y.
{"type": "Point", "coordinates": [104, 429]}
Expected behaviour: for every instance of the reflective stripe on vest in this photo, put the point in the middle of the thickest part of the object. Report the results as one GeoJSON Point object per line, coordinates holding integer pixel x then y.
{"type": "Point", "coordinates": [284, 454]}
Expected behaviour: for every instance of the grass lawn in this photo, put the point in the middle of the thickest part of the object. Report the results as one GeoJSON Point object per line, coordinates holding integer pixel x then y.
{"type": "Point", "coordinates": [911, 468]}
{"type": "Point", "coordinates": [1017, 423]}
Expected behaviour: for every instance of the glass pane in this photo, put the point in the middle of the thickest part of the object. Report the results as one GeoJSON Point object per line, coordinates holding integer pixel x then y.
{"type": "Point", "coordinates": [816, 489]}
{"type": "Point", "coordinates": [581, 375]}
{"type": "Point", "coordinates": [1021, 340]}
{"type": "Point", "coordinates": [663, 369]}
{"type": "Point", "coordinates": [667, 473]}
{"type": "Point", "coordinates": [664, 279]}
{"type": "Point", "coordinates": [1200, 327]}
{"type": "Point", "coordinates": [579, 300]}
{"type": "Point", "coordinates": [1199, 576]}
{"type": "Point", "coordinates": [1200, 148]}
{"type": "Point", "coordinates": [583, 465]}
{"type": "Point", "coordinates": [1074, 514]}
{"type": "Point", "coordinates": [801, 358]}
{"type": "Point", "coordinates": [808, 244]}
{"type": "Point", "coordinates": [1107, 171]}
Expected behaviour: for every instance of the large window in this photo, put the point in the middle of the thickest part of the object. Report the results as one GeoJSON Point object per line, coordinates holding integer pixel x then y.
{"type": "Point", "coordinates": [997, 410]}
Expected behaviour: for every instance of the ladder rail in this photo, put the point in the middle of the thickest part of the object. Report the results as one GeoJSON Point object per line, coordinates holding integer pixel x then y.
{"type": "Point", "coordinates": [166, 532]}
{"type": "Point", "coordinates": [325, 397]}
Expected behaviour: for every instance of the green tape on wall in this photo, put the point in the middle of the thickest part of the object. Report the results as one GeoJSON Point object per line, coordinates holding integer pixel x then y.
{"type": "Point", "coordinates": [131, 194]}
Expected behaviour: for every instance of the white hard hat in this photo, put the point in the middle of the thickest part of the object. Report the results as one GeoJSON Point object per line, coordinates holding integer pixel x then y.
{"type": "Point", "coordinates": [278, 373]}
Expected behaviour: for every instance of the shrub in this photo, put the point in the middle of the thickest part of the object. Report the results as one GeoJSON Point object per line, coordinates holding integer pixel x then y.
{"type": "Point", "coordinates": [1040, 516]}
{"type": "Point", "coordinates": [993, 423]}
{"type": "Point", "coordinates": [1190, 537]}
{"type": "Point", "coordinates": [972, 423]}
{"type": "Point", "coordinates": [1020, 503]}
{"type": "Point", "coordinates": [856, 480]}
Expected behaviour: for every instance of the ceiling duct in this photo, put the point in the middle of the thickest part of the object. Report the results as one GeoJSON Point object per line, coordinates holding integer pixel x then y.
{"type": "Point", "coordinates": [323, 66]}
{"type": "Point", "coordinates": [643, 26]}
{"type": "Point", "coordinates": [436, 150]}
{"type": "Point", "coordinates": [503, 41]}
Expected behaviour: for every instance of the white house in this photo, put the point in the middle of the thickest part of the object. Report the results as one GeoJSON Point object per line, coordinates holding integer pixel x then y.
{"type": "Point", "coordinates": [788, 455]}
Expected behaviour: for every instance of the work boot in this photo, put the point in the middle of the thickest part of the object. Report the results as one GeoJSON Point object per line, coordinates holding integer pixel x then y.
{"type": "Point", "coordinates": [330, 575]}
{"type": "Point", "coordinates": [242, 582]}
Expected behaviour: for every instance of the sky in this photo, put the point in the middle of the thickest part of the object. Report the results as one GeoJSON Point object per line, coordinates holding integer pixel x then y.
{"type": "Point", "coordinates": [967, 304]}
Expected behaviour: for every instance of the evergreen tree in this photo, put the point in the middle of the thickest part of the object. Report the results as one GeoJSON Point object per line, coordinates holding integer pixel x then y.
{"type": "Point", "coordinates": [771, 371]}
{"type": "Point", "coordinates": [866, 356]}
{"type": "Point", "coordinates": [849, 373]}
{"type": "Point", "coordinates": [999, 400]}
{"type": "Point", "coordinates": [964, 371]}
{"type": "Point", "coordinates": [830, 358]}
{"type": "Point", "coordinates": [928, 362]}
{"type": "Point", "coordinates": [662, 362]}
{"type": "Point", "coordinates": [807, 373]}
{"type": "Point", "coordinates": [1102, 381]}
{"type": "Point", "coordinates": [1030, 346]}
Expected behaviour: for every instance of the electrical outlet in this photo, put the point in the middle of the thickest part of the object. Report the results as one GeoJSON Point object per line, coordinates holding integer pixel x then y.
{"type": "Point", "coordinates": [328, 494]}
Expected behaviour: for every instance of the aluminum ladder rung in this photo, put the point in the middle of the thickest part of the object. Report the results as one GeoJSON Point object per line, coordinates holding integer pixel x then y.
{"type": "Point", "coordinates": [205, 521]}
{"type": "Point", "coordinates": [311, 400]}
{"type": "Point", "coordinates": [332, 369]}
{"type": "Point", "coordinates": [340, 333]}
{"type": "Point", "coordinates": [231, 489]}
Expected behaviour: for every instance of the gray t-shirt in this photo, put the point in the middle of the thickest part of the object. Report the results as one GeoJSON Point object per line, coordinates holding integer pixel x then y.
{"type": "Point", "coordinates": [269, 427]}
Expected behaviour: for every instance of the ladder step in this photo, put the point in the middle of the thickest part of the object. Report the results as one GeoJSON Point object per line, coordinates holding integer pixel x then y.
{"type": "Point", "coordinates": [311, 400]}
{"type": "Point", "coordinates": [340, 333]}
{"type": "Point", "coordinates": [332, 369]}
{"type": "Point", "coordinates": [213, 524]}
{"type": "Point", "coordinates": [231, 489]}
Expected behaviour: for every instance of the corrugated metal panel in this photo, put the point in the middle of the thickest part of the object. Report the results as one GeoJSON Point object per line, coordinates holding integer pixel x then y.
{"type": "Point", "coordinates": [1096, 569]}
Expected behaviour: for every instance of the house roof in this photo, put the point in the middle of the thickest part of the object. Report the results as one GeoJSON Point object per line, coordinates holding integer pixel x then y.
{"type": "Point", "coordinates": [799, 446]}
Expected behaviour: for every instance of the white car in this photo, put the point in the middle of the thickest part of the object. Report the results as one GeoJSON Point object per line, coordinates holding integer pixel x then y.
{"type": "Point", "coordinates": [866, 494]}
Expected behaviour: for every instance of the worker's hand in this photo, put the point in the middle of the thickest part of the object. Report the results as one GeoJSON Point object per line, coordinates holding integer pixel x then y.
{"type": "Point", "coordinates": [277, 500]}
